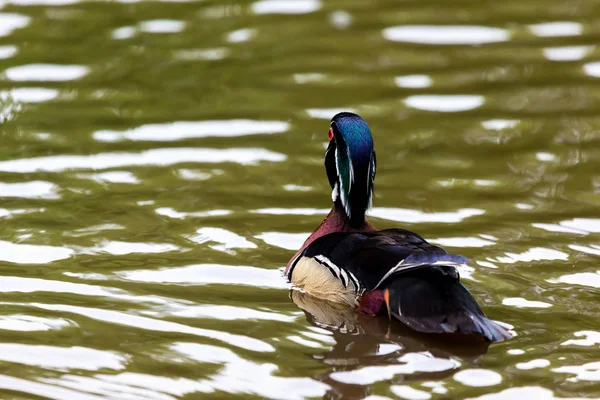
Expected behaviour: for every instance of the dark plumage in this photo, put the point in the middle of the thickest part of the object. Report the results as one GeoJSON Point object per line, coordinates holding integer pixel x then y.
{"type": "Point", "coordinates": [393, 272]}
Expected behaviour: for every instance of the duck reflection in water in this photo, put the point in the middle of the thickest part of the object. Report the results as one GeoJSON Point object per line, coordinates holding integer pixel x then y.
{"type": "Point", "coordinates": [360, 338]}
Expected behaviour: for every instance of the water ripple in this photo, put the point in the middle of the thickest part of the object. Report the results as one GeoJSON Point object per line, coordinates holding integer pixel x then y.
{"type": "Point", "coordinates": [203, 274]}
{"type": "Point", "coordinates": [30, 190]}
{"type": "Point", "coordinates": [29, 323]}
{"type": "Point", "coordinates": [411, 363]}
{"type": "Point", "coordinates": [31, 254]}
{"type": "Point", "coordinates": [445, 35]}
{"type": "Point", "coordinates": [240, 376]}
{"type": "Point", "coordinates": [173, 131]}
{"type": "Point", "coordinates": [286, 6]}
{"type": "Point", "coordinates": [150, 324]}
{"type": "Point", "coordinates": [61, 357]}
{"type": "Point", "coordinates": [445, 103]}
{"type": "Point", "coordinates": [10, 22]}
{"type": "Point", "coordinates": [156, 157]}
{"type": "Point", "coordinates": [46, 72]}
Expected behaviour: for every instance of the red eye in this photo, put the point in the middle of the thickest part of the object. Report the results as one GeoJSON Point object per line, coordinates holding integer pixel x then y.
{"type": "Point", "coordinates": [330, 134]}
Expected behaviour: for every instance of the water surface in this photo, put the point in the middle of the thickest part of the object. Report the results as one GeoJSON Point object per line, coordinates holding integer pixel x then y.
{"type": "Point", "coordinates": [160, 162]}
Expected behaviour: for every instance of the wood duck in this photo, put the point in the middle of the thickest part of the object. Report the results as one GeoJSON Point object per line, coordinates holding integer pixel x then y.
{"type": "Point", "coordinates": [391, 272]}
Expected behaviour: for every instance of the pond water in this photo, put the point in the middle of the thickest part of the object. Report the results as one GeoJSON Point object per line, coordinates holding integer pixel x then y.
{"type": "Point", "coordinates": [161, 161]}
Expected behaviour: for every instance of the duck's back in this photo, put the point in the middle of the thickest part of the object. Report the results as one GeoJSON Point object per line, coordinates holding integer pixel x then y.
{"type": "Point", "coordinates": [393, 271]}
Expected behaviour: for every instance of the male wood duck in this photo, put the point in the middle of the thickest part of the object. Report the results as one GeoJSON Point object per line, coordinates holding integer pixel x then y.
{"type": "Point", "coordinates": [391, 272]}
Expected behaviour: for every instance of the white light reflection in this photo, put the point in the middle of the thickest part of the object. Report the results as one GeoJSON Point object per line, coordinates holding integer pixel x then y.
{"type": "Point", "coordinates": [590, 279]}
{"type": "Point", "coordinates": [533, 254]}
{"type": "Point", "coordinates": [156, 325]}
{"type": "Point", "coordinates": [462, 242]}
{"type": "Point", "coordinates": [407, 392]}
{"type": "Point", "coordinates": [117, 248]}
{"type": "Point", "coordinates": [525, 392]}
{"type": "Point", "coordinates": [590, 338]}
{"type": "Point", "coordinates": [389, 213]}
{"type": "Point", "coordinates": [241, 35]}
{"type": "Point", "coordinates": [28, 323]}
{"type": "Point", "coordinates": [52, 391]}
{"type": "Point", "coordinates": [444, 103]}
{"type": "Point", "coordinates": [239, 375]}
{"type": "Point", "coordinates": [46, 72]}
{"type": "Point", "coordinates": [7, 51]}
{"type": "Point", "coordinates": [196, 175]}
{"type": "Point", "coordinates": [286, 6]}
{"type": "Point", "coordinates": [40, 2]}
{"type": "Point", "coordinates": [127, 385]}
{"type": "Point", "coordinates": [592, 69]}
{"type": "Point", "coordinates": [585, 372]}
{"type": "Point", "coordinates": [204, 274]}
{"type": "Point", "coordinates": [543, 156]}
{"type": "Point", "coordinates": [445, 35]}
{"type": "Point", "coordinates": [340, 19]}
{"type": "Point", "coordinates": [436, 387]}
{"type": "Point", "coordinates": [213, 54]}
{"type": "Point", "coordinates": [225, 313]}
{"type": "Point", "coordinates": [413, 81]}
{"type": "Point", "coordinates": [308, 77]}
{"type": "Point", "coordinates": [297, 188]}
{"type": "Point", "coordinates": [326, 113]}
{"type": "Point", "coordinates": [415, 216]}
{"type": "Point", "coordinates": [113, 177]}
{"type": "Point", "coordinates": [173, 131]}
{"type": "Point", "coordinates": [31, 254]}
{"type": "Point", "coordinates": [520, 302]}
{"type": "Point", "coordinates": [60, 357]}
{"type": "Point", "coordinates": [413, 362]}
{"type": "Point", "coordinates": [17, 211]}
{"type": "Point", "coordinates": [557, 28]}
{"type": "Point", "coordinates": [499, 124]}
{"type": "Point", "coordinates": [557, 228]}
{"type": "Point", "coordinates": [155, 157]}
{"type": "Point", "coordinates": [11, 21]}
{"type": "Point", "coordinates": [567, 53]}
{"type": "Point", "coordinates": [227, 240]}
{"type": "Point", "coordinates": [292, 211]}
{"type": "Point", "coordinates": [30, 190]}
{"type": "Point", "coordinates": [124, 32]}
{"type": "Point", "coordinates": [30, 95]}
{"type": "Point", "coordinates": [172, 213]}
{"type": "Point", "coordinates": [537, 363]}
{"type": "Point", "coordinates": [306, 343]}
{"type": "Point", "coordinates": [162, 26]}
{"type": "Point", "coordinates": [478, 377]}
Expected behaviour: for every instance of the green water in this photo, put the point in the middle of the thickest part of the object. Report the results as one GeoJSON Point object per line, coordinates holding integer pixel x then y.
{"type": "Point", "coordinates": [155, 176]}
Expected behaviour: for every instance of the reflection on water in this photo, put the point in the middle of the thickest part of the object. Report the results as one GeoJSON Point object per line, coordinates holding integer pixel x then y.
{"type": "Point", "coordinates": [437, 34]}
{"type": "Point", "coordinates": [160, 157]}
{"type": "Point", "coordinates": [46, 72]}
{"type": "Point", "coordinates": [161, 161]}
{"type": "Point", "coordinates": [187, 130]}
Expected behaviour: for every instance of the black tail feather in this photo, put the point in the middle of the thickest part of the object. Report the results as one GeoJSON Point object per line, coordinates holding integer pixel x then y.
{"type": "Point", "coordinates": [431, 301]}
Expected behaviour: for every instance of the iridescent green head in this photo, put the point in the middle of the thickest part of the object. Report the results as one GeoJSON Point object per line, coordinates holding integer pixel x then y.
{"type": "Point", "coordinates": [350, 164]}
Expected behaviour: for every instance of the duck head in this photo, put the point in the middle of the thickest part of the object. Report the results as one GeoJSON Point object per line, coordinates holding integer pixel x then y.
{"type": "Point", "coordinates": [350, 164]}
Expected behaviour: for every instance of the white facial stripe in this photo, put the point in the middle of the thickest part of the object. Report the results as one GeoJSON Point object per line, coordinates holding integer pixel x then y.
{"type": "Point", "coordinates": [342, 191]}
{"type": "Point", "coordinates": [351, 168]}
{"type": "Point", "coordinates": [370, 180]}
{"type": "Point", "coordinates": [335, 193]}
